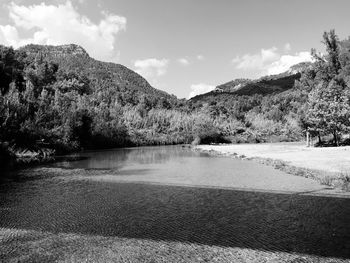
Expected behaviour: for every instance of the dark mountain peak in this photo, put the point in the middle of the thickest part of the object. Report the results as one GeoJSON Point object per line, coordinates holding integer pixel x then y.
{"type": "Point", "coordinates": [265, 85]}
{"type": "Point", "coordinates": [61, 50]}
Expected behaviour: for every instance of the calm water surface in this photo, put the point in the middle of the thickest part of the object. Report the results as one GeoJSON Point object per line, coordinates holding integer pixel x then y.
{"type": "Point", "coordinates": [163, 193]}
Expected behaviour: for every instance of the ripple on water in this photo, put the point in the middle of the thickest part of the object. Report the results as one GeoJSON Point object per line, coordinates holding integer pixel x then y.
{"type": "Point", "coordinates": [68, 214]}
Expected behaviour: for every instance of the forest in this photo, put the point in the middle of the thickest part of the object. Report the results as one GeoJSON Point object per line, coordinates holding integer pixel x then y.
{"type": "Point", "coordinates": [69, 103]}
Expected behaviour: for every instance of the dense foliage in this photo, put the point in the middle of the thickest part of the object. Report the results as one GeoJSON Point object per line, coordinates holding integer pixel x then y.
{"type": "Point", "coordinates": [60, 98]}
{"type": "Point", "coordinates": [67, 101]}
{"type": "Point", "coordinates": [328, 107]}
{"type": "Point", "coordinates": [283, 107]}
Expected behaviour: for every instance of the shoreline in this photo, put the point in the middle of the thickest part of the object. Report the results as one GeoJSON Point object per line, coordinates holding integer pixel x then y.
{"type": "Point", "coordinates": [21, 158]}
{"type": "Point", "coordinates": [269, 151]}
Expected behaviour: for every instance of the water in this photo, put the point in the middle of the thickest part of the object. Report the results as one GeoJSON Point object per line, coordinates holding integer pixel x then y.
{"type": "Point", "coordinates": [168, 194]}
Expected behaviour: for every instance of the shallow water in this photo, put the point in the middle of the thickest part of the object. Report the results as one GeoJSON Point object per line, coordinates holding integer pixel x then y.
{"type": "Point", "coordinates": [172, 194]}
{"type": "Point", "coordinates": [182, 166]}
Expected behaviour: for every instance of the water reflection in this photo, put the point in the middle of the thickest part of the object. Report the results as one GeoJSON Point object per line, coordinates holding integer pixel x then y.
{"type": "Point", "coordinates": [117, 158]}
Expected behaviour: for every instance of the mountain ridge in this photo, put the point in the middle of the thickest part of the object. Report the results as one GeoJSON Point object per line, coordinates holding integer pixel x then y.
{"type": "Point", "coordinates": [59, 50]}
{"type": "Point", "coordinates": [262, 86]}
{"type": "Point", "coordinates": [76, 58]}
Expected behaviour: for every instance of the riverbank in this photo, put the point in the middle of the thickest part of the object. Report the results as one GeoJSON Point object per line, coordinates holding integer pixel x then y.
{"type": "Point", "coordinates": [328, 165]}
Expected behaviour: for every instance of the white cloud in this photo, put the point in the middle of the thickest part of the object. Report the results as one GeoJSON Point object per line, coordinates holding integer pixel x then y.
{"type": "Point", "coordinates": [62, 24]}
{"type": "Point", "coordinates": [9, 35]}
{"type": "Point", "coordinates": [201, 88]}
{"type": "Point", "coordinates": [268, 55]}
{"type": "Point", "coordinates": [200, 57]}
{"type": "Point", "coordinates": [287, 47]}
{"type": "Point", "coordinates": [254, 61]}
{"type": "Point", "coordinates": [286, 61]}
{"type": "Point", "coordinates": [270, 61]}
{"type": "Point", "coordinates": [183, 61]}
{"type": "Point", "coordinates": [151, 68]}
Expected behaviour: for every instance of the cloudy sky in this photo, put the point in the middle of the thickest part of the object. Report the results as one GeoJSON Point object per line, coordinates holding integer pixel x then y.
{"type": "Point", "coordinates": [184, 47]}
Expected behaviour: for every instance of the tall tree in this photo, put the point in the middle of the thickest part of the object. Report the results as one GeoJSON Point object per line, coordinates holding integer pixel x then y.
{"type": "Point", "coordinates": [329, 100]}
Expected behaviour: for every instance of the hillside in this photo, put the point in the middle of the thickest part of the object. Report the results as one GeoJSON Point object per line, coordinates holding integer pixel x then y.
{"type": "Point", "coordinates": [75, 58]}
{"type": "Point", "coordinates": [60, 99]}
{"type": "Point", "coordinates": [263, 86]}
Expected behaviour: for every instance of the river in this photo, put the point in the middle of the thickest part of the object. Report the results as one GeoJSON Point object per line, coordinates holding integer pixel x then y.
{"type": "Point", "coordinates": [169, 203]}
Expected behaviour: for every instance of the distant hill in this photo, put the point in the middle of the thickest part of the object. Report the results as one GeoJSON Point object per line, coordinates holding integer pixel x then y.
{"type": "Point", "coordinates": [75, 58]}
{"type": "Point", "coordinates": [263, 86]}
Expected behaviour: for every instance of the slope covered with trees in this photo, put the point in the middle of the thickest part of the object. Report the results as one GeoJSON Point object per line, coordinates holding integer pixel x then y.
{"type": "Point", "coordinates": [265, 85]}
{"type": "Point", "coordinates": [60, 98]}
{"type": "Point", "coordinates": [311, 97]}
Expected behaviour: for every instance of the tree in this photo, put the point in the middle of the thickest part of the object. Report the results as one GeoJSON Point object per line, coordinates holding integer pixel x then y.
{"type": "Point", "coordinates": [11, 67]}
{"type": "Point", "coordinates": [328, 107]}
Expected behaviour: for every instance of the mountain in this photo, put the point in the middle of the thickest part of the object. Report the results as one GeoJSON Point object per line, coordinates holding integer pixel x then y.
{"type": "Point", "coordinates": [75, 58]}
{"type": "Point", "coordinates": [60, 98]}
{"type": "Point", "coordinates": [263, 86]}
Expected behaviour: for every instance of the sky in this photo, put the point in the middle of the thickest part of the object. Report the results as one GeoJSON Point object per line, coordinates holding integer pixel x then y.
{"type": "Point", "coordinates": [184, 47]}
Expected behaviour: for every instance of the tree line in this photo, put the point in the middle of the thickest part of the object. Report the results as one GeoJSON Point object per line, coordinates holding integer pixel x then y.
{"type": "Point", "coordinates": [45, 103]}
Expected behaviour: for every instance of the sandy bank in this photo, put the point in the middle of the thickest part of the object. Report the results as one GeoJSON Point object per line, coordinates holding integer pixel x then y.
{"type": "Point", "coordinates": [329, 159]}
